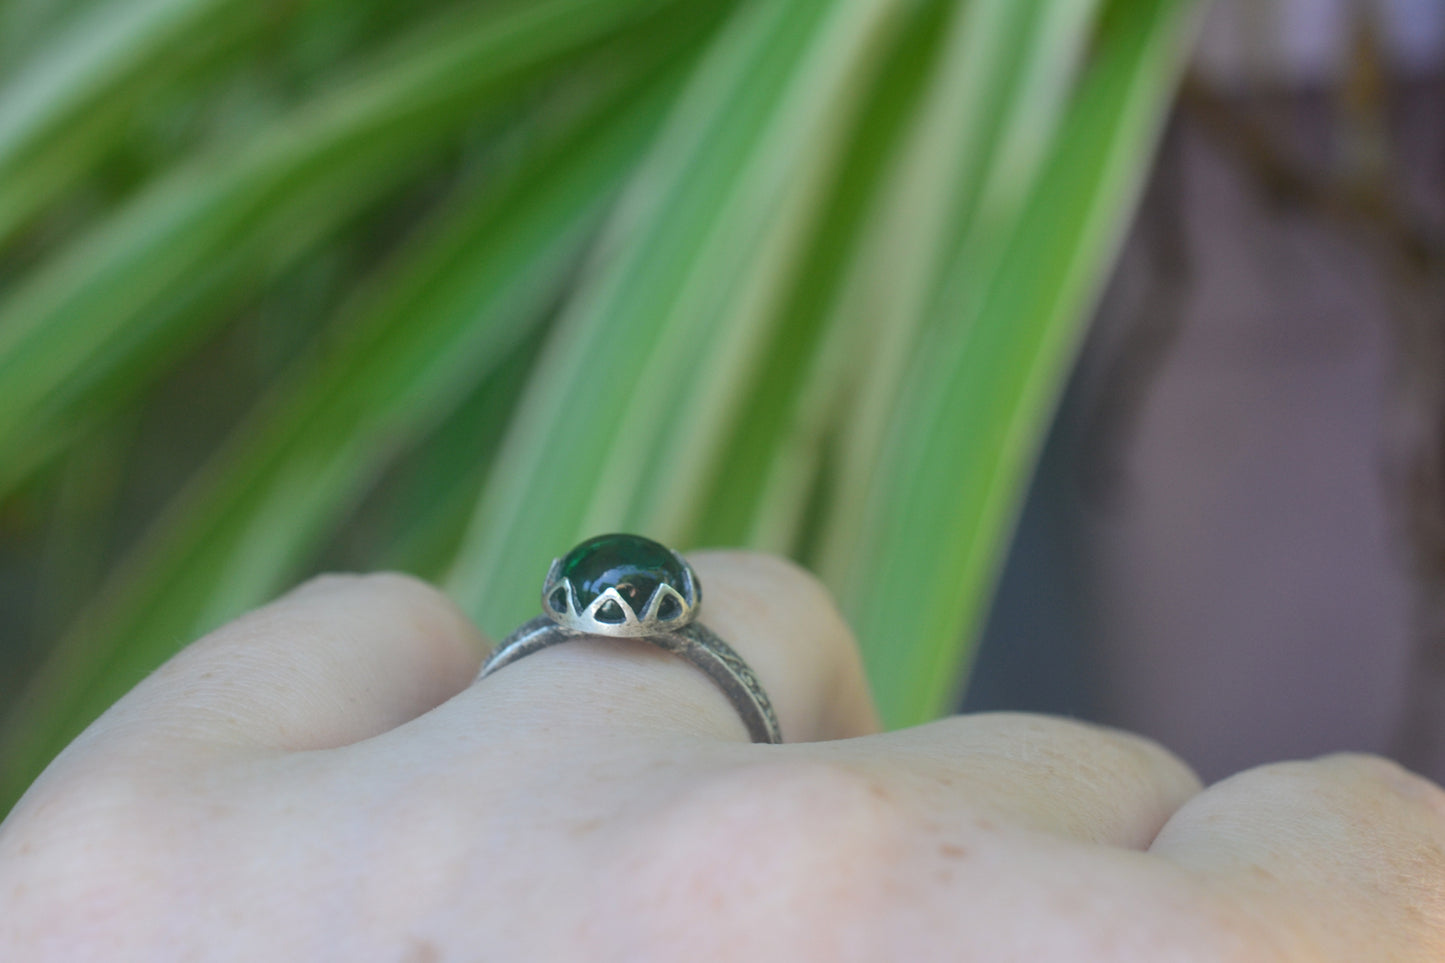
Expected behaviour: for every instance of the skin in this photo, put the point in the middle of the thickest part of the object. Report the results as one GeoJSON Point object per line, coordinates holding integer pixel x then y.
{"type": "Point", "coordinates": [323, 780]}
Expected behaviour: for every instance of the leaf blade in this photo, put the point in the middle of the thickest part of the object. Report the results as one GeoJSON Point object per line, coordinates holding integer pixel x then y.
{"type": "Point", "coordinates": [981, 389]}
{"type": "Point", "coordinates": [106, 306]}
{"type": "Point", "coordinates": [453, 311]}
{"type": "Point", "coordinates": [638, 331]}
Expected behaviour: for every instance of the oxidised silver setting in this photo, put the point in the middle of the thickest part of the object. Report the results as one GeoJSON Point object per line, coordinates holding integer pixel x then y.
{"type": "Point", "coordinates": [633, 625]}
{"type": "Point", "coordinates": [682, 635]}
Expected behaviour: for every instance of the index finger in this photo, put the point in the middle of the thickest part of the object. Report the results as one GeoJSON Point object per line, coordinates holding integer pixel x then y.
{"type": "Point", "coordinates": [1341, 858]}
{"type": "Point", "coordinates": [340, 659]}
{"type": "Point", "coordinates": [1009, 770]}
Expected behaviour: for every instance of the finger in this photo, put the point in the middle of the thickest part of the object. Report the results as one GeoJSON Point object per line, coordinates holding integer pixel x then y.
{"type": "Point", "coordinates": [1039, 773]}
{"type": "Point", "coordinates": [1341, 859]}
{"type": "Point", "coordinates": [776, 616]}
{"type": "Point", "coordinates": [338, 660]}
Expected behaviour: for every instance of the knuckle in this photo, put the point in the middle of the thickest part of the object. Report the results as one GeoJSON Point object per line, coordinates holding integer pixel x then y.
{"type": "Point", "coordinates": [398, 587]}
{"type": "Point", "coordinates": [1213, 929]}
{"type": "Point", "coordinates": [1363, 823]}
{"type": "Point", "coordinates": [1379, 776]}
{"type": "Point", "coordinates": [1350, 786]}
{"type": "Point", "coordinates": [770, 565]}
{"type": "Point", "coordinates": [324, 584]}
{"type": "Point", "coordinates": [810, 839]}
{"type": "Point", "coordinates": [772, 575]}
{"type": "Point", "coordinates": [403, 586]}
{"type": "Point", "coordinates": [757, 582]}
{"type": "Point", "coordinates": [74, 850]}
{"type": "Point", "coordinates": [1163, 918]}
{"type": "Point", "coordinates": [334, 606]}
{"type": "Point", "coordinates": [1144, 752]}
{"type": "Point", "coordinates": [1058, 737]}
{"type": "Point", "coordinates": [66, 804]}
{"type": "Point", "coordinates": [1053, 743]}
{"type": "Point", "coordinates": [431, 611]}
{"type": "Point", "coordinates": [332, 580]}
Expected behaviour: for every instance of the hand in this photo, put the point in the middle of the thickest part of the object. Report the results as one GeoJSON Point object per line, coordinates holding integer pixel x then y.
{"type": "Point", "coordinates": [323, 780]}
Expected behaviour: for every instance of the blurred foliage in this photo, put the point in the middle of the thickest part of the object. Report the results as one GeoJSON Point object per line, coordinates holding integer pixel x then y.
{"type": "Point", "coordinates": [449, 285]}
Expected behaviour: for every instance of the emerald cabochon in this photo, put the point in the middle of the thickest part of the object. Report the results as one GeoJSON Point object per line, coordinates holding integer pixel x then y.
{"type": "Point", "coordinates": [633, 565]}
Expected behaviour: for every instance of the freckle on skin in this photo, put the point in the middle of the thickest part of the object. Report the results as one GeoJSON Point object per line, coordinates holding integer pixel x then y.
{"type": "Point", "coordinates": [951, 851]}
{"type": "Point", "coordinates": [1259, 872]}
{"type": "Point", "coordinates": [585, 827]}
{"type": "Point", "coordinates": [422, 952]}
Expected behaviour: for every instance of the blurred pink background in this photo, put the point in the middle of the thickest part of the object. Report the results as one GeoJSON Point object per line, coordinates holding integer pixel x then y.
{"type": "Point", "coordinates": [1211, 508]}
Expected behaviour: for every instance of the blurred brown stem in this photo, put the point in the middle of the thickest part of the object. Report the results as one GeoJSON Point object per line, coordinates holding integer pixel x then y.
{"type": "Point", "coordinates": [1150, 329]}
{"type": "Point", "coordinates": [1366, 202]}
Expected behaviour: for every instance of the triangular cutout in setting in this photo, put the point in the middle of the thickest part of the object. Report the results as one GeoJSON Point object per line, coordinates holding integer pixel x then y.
{"type": "Point", "coordinates": [611, 613]}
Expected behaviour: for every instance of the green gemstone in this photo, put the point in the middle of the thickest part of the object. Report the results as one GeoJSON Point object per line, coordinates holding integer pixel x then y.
{"type": "Point", "coordinates": [633, 565]}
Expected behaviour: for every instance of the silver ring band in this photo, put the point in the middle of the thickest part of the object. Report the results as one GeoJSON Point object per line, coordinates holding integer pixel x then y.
{"type": "Point", "coordinates": [694, 642]}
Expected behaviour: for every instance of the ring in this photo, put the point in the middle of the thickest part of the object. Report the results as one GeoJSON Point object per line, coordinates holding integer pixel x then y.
{"type": "Point", "coordinates": [627, 586]}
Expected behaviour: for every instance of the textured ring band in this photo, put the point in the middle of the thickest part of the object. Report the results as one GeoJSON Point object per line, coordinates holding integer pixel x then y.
{"type": "Point", "coordinates": [625, 586]}
{"type": "Point", "coordinates": [696, 643]}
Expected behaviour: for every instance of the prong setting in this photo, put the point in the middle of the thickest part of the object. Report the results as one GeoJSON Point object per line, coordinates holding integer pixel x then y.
{"type": "Point", "coordinates": [672, 603]}
{"type": "Point", "coordinates": [601, 586]}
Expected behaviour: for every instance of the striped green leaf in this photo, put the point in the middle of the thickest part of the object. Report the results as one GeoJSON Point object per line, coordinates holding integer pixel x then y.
{"type": "Point", "coordinates": [63, 108]}
{"type": "Point", "coordinates": [118, 304]}
{"type": "Point", "coordinates": [443, 322]}
{"type": "Point", "coordinates": [631, 399]}
{"type": "Point", "coordinates": [981, 377]}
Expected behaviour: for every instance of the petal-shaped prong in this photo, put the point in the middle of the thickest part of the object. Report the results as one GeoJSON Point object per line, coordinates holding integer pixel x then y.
{"type": "Point", "coordinates": [571, 591]}
{"type": "Point", "coordinates": [683, 589]}
{"type": "Point", "coordinates": [549, 584]}
{"type": "Point", "coordinates": [691, 591]}
{"type": "Point", "coordinates": [629, 617]}
{"type": "Point", "coordinates": [665, 591]}
{"type": "Point", "coordinates": [550, 587]}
